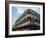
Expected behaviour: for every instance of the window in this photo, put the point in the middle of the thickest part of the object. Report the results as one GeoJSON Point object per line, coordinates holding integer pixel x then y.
{"type": "Point", "coordinates": [39, 21]}
{"type": "Point", "coordinates": [36, 20]}
{"type": "Point", "coordinates": [29, 19]}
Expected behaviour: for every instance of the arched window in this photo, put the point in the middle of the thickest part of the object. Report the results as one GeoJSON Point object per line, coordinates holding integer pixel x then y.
{"type": "Point", "coordinates": [39, 21]}
{"type": "Point", "coordinates": [29, 19]}
{"type": "Point", "coordinates": [36, 20]}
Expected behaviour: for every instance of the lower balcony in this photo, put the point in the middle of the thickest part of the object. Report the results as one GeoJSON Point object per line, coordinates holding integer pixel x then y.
{"type": "Point", "coordinates": [27, 26]}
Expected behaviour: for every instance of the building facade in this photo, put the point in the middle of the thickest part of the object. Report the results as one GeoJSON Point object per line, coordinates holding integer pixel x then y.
{"type": "Point", "coordinates": [29, 20]}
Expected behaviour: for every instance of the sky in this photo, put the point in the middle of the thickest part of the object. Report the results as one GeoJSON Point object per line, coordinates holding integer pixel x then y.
{"type": "Point", "coordinates": [18, 11]}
